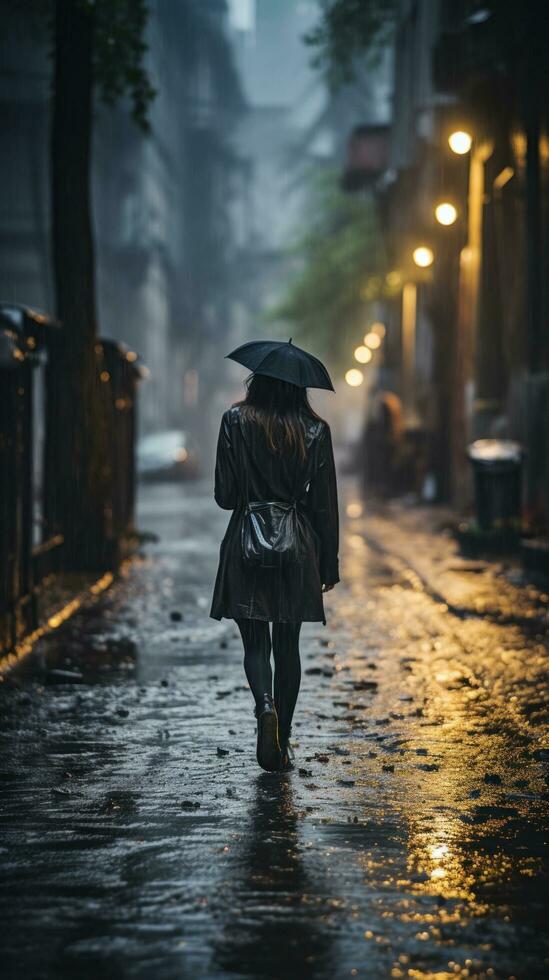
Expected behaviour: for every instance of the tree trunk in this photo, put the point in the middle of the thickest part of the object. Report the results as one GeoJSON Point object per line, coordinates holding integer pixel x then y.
{"type": "Point", "coordinates": [76, 471]}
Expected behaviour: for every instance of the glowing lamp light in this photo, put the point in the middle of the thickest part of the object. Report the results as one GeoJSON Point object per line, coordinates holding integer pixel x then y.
{"type": "Point", "coordinates": [354, 509]}
{"type": "Point", "coordinates": [445, 213]}
{"type": "Point", "coordinates": [460, 142]}
{"type": "Point", "coordinates": [423, 256]}
{"type": "Point", "coordinates": [354, 377]}
{"type": "Point", "coordinates": [363, 354]}
{"type": "Point", "coordinates": [372, 340]}
{"type": "Point", "coordinates": [379, 329]}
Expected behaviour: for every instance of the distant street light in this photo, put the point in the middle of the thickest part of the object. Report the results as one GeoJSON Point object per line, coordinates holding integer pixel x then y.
{"type": "Point", "coordinates": [393, 279]}
{"type": "Point", "coordinates": [354, 377]}
{"type": "Point", "coordinates": [423, 256]}
{"type": "Point", "coordinates": [445, 213]}
{"type": "Point", "coordinates": [363, 354]}
{"type": "Point", "coordinates": [460, 142]}
{"type": "Point", "coordinates": [372, 340]}
{"type": "Point", "coordinates": [378, 328]}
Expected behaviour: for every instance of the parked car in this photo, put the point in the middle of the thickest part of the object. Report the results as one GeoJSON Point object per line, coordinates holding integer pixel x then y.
{"type": "Point", "coordinates": [166, 456]}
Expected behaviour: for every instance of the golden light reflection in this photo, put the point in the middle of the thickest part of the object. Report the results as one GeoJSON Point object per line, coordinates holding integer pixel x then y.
{"type": "Point", "coordinates": [22, 649]}
{"type": "Point", "coordinates": [437, 873]}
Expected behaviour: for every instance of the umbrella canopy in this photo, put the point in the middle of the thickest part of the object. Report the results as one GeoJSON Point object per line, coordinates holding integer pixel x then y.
{"type": "Point", "coordinates": [283, 360]}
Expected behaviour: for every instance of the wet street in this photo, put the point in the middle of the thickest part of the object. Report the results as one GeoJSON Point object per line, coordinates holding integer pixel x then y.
{"type": "Point", "coordinates": [139, 838]}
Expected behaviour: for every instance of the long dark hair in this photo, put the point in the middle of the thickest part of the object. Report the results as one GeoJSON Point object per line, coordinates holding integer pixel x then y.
{"type": "Point", "coordinates": [281, 409]}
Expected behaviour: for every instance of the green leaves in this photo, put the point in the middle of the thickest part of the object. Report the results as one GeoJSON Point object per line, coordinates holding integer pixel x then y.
{"type": "Point", "coordinates": [349, 29]}
{"type": "Point", "coordinates": [119, 54]}
{"type": "Point", "coordinates": [339, 258]}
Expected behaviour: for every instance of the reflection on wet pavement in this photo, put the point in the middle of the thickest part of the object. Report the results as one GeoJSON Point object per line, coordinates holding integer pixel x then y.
{"type": "Point", "coordinates": [140, 840]}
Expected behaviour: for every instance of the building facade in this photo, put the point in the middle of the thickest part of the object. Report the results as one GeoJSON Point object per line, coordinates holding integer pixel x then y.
{"type": "Point", "coordinates": [469, 323]}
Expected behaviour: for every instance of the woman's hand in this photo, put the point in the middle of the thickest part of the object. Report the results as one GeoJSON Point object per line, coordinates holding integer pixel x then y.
{"type": "Point", "coordinates": [327, 588]}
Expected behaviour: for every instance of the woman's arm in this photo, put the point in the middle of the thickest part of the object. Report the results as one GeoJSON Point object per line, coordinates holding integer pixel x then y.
{"type": "Point", "coordinates": [226, 490]}
{"type": "Point", "coordinates": [324, 509]}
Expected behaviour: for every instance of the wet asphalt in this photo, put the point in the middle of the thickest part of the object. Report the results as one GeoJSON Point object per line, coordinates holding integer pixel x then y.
{"type": "Point", "coordinates": [139, 839]}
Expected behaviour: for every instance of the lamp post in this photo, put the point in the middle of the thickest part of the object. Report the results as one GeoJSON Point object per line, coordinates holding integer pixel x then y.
{"type": "Point", "coordinates": [470, 260]}
{"type": "Point", "coordinates": [409, 318]}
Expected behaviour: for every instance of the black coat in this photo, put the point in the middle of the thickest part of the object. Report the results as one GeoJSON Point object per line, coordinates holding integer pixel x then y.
{"type": "Point", "coordinates": [245, 467]}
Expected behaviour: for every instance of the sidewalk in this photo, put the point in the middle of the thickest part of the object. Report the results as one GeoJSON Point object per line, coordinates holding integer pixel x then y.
{"type": "Point", "coordinates": [417, 540]}
{"type": "Point", "coordinates": [141, 841]}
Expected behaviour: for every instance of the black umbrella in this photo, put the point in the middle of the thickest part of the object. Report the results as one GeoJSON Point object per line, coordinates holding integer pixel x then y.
{"type": "Point", "coordinates": [283, 360]}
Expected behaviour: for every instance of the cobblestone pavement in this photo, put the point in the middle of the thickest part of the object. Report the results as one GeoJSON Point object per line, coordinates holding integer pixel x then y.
{"type": "Point", "coordinates": [139, 839]}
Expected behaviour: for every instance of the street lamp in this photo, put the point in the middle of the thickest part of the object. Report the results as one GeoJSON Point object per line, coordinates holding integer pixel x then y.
{"type": "Point", "coordinates": [460, 142]}
{"type": "Point", "coordinates": [423, 256]}
{"type": "Point", "coordinates": [372, 340]}
{"type": "Point", "coordinates": [363, 355]}
{"type": "Point", "coordinates": [354, 377]}
{"type": "Point", "coordinates": [378, 328]}
{"type": "Point", "coordinates": [445, 213]}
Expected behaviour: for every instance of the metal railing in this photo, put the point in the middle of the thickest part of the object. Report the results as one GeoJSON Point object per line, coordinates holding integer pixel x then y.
{"type": "Point", "coordinates": [30, 551]}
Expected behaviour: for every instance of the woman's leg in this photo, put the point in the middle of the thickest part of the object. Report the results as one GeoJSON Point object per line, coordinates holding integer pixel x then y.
{"type": "Point", "coordinates": [257, 656]}
{"type": "Point", "coordinates": [287, 674]}
{"type": "Point", "coordinates": [257, 664]}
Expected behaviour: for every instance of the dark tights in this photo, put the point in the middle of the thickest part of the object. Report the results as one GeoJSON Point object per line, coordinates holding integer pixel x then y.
{"type": "Point", "coordinates": [257, 664]}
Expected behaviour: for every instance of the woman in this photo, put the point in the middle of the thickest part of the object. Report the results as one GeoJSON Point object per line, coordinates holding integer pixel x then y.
{"type": "Point", "coordinates": [275, 471]}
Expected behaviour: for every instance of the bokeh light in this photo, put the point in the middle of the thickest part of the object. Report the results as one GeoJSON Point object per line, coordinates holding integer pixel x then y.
{"type": "Point", "coordinates": [363, 354]}
{"type": "Point", "coordinates": [354, 377]}
{"type": "Point", "coordinates": [372, 340]}
{"type": "Point", "coordinates": [445, 213]}
{"type": "Point", "coordinates": [423, 256]}
{"type": "Point", "coordinates": [460, 142]}
{"type": "Point", "coordinates": [393, 279]}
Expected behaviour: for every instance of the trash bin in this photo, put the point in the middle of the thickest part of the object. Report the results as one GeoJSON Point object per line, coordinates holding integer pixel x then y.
{"type": "Point", "coordinates": [497, 474]}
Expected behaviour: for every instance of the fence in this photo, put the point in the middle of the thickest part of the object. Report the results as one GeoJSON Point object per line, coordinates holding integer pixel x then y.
{"type": "Point", "coordinates": [30, 551]}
